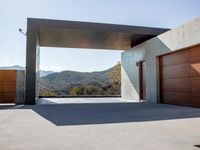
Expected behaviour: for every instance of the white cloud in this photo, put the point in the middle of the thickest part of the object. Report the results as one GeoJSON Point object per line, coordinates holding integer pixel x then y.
{"type": "Point", "coordinates": [51, 67]}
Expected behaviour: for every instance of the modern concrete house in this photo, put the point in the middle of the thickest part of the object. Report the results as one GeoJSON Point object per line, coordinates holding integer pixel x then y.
{"type": "Point", "coordinates": [158, 65]}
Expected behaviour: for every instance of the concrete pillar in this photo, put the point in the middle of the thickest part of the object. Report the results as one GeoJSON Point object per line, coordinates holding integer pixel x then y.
{"type": "Point", "coordinates": [20, 86]}
{"type": "Point", "coordinates": [32, 63]}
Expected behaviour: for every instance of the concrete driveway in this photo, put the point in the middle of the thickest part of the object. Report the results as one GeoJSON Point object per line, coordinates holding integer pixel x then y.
{"type": "Point", "coordinates": [105, 126]}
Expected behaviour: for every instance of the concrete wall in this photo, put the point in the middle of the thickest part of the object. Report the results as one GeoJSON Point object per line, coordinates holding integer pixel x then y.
{"type": "Point", "coordinates": [20, 87]}
{"type": "Point", "coordinates": [130, 72]}
{"type": "Point", "coordinates": [184, 36]}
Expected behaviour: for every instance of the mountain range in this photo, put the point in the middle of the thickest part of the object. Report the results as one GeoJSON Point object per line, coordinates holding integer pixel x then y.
{"type": "Point", "coordinates": [73, 83]}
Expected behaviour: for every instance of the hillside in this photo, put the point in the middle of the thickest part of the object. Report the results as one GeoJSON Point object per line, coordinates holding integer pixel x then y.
{"type": "Point", "coordinates": [72, 83]}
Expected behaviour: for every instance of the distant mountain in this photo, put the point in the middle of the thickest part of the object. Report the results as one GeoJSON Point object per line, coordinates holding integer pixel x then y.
{"type": "Point", "coordinates": [73, 83]}
{"type": "Point", "coordinates": [45, 73]}
{"type": "Point", "coordinates": [17, 67]}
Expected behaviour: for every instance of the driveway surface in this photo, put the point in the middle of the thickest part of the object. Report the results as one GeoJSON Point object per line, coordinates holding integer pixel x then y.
{"type": "Point", "coordinates": [103, 126]}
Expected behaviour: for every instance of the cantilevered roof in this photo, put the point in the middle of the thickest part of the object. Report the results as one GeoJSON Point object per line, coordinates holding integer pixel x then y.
{"type": "Point", "coordinates": [74, 34]}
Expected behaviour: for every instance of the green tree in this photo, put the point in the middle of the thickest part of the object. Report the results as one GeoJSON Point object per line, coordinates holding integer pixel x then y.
{"type": "Point", "coordinates": [74, 91]}
{"type": "Point", "coordinates": [47, 93]}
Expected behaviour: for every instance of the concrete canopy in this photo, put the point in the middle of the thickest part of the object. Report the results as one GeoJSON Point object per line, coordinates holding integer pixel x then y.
{"type": "Point", "coordinates": [73, 34]}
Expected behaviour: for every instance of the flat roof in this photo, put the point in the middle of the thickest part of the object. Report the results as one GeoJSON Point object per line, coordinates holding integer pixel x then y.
{"type": "Point", "coordinates": [75, 34]}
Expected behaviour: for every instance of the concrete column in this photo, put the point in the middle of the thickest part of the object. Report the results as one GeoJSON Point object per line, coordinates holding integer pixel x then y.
{"type": "Point", "coordinates": [20, 86]}
{"type": "Point", "coordinates": [32, 63]}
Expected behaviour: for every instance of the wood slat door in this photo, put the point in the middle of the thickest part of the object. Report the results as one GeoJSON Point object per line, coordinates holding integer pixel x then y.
{"type": "Point", "coordinates": [7, 86]}
{"type": "Point", "coordinates": [180, 77]}
{"type": "Point", "coordinates": [195, 76]}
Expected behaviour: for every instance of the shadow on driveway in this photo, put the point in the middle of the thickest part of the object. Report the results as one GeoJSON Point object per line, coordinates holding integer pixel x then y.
{"type": "Point", "coordinates": [81, 114]}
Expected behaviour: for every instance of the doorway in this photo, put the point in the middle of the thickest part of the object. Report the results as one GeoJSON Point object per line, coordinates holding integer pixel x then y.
{"type": "Point", "coordinates": [142, 78]}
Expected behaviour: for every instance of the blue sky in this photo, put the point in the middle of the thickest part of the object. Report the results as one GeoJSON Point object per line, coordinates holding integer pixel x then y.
{"type": "Point", "coordinates": [155, 13]}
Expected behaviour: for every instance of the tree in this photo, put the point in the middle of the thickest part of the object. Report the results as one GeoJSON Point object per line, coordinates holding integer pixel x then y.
{"type": "Point", "coordinates": [47, 93]}
{"type": "Point", "coordinates": [74, 91]}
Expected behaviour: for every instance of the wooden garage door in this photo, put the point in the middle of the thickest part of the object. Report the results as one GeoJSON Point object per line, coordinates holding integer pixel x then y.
{"type": "Point", "coordinates": [7, 86]}
{"type": "Point", "coordinates": [180, 77]}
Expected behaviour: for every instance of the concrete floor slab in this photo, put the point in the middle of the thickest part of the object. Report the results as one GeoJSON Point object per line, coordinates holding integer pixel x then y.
{"type": "Point", "coordinates": [83, 100]}
{"type": "Point", "coordinates": [105, 126]}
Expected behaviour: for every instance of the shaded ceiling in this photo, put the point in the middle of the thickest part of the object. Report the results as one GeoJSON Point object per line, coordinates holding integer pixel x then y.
{"type": "Point", "coordinates": [73, 34]}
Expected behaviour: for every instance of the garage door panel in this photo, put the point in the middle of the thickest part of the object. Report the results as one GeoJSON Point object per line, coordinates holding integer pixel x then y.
{"type": "Point", "coordinates": [176, 98]}
{"type": "Point", "coordinates": [195, 91]}
{"type": "Point", "coordinates": [176, 85]}
{"type": "Point", "coordinates": [7, 100]}
{"type": "Point", "coordinates": [195, 86]}
{"type": "Point", "coordinates": [195, 54]}
{"type": "Point", "coordinates": [1, 98]}
{"type": "Point", "coordinates": [176, 58]}
{"type": "Point", "coordinates": [177, 71]}
{"type": "Point", "coordinates": [7, 86]}
{"type": "Point", "coordinates": [180, 80]}
{"type": "Point", "coordinates": [1, 76]}
{"type": "Point", "coordinates": [195, 101]}
{"type": "Point", "coordinates": [195, 69]}
{"type": "Point", "coordinates": [9, 74]}
{"type": "Point", "coordinates": [8, 80]}
{"type": "Point", "coordinates": [7, 97]}
{"type": "Point", "coordinates": [195, 81]}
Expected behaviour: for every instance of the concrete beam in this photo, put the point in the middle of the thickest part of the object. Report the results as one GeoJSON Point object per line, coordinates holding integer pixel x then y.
{"type": "Point", "coordinates": [74, 34]}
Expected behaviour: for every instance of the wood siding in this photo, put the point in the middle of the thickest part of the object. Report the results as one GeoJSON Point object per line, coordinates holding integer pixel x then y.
{"type": "Point", "coordinates": [180, 77]}
{"type": "Point", "coordinates": [7, 86]}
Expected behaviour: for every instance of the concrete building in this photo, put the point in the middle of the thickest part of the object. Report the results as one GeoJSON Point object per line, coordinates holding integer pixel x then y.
{"type": "Point", "coordinates": [159, 65]}
{"type": "Point", "coordinates": [171, 66]}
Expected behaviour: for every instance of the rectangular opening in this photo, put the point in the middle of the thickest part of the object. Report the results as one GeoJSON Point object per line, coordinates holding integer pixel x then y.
{"type": "Point", "coordinates": [142, 79]}
{"type": "Point", "coordinates": [69, 72]}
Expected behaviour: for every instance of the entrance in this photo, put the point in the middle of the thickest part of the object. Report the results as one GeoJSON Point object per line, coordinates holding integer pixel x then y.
{"type": "Point", "coordinates": [142, 75]}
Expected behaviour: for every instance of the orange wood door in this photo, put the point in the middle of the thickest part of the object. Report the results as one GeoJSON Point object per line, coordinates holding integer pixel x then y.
{"type": "Point", "coordinates": [7, 86]}
{"type": "Point", "coordinates": [180, 77]}
{"type": "Point", "coordinates": [195, 76]}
